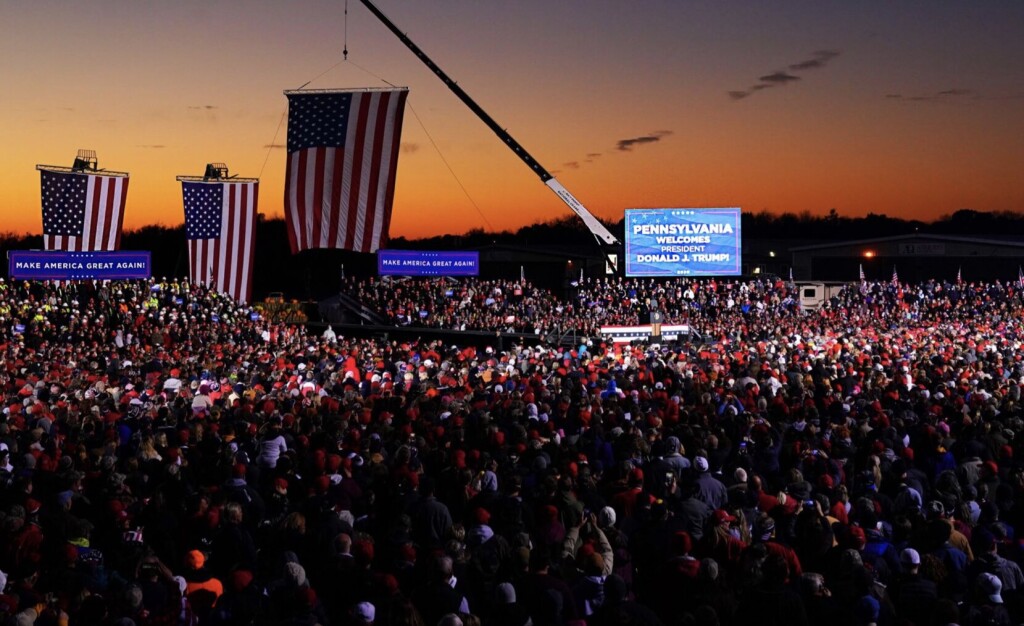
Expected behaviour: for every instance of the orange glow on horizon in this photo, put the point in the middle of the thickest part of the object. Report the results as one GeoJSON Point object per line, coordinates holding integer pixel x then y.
{"type": "Point", "coordinates": [659, 105]}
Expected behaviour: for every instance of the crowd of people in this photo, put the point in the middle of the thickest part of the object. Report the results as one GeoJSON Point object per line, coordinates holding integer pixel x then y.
{"type": "Point", "coordinates": [513, 306]}
{"type": "Point", "coordinates": [170, 457]}
{"type": "Point", "coordinates": [720, 309]}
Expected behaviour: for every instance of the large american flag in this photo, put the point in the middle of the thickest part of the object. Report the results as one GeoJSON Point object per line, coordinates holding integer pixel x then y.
{"type": "Point", "coordinates": [342, 158]}
{"type": "Point", "coordinates": [82, 212]}
{"type": "Point", "coordinates": [220, 226]}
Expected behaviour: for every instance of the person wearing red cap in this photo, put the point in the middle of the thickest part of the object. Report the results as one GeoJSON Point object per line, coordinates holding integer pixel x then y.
{"type": "Point", "coordinates": [722, 542]}
{"type": "Point", "coordinates": [278, 504]}
{"type": "Point", "coordinates": [22, 540]}
{"type": "Point", "coordinates": [237, 489]}
{"type": "Point", "coordinates": [233, 545]}
{"type": "Point", "coordinates": [764, 534]}
{"type": "Point", "coordinates": [625, 501]}
{"type": "Point", "coordinates": [489, 553]}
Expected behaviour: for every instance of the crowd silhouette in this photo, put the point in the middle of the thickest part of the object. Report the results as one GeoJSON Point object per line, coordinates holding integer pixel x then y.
{"type": "Point", "coordinates": [168, 456]}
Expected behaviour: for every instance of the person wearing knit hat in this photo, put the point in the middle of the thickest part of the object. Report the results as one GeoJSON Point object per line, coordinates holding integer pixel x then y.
{"type": "Point", "coordinates": [589, 588]}
{"type": "Point", "coordinates": [481, 532]}
{"type": "Point", "coordinates": [504, 594]}
{"type": "Point", "coordinates": [200, 586]}
{"type": "Point", "coordinates": [508, 612]}
{"type": "Point", "coordinates": [364, 614]}
{"type": "Point", "coordinates": [295, 575]}
{"type": "Point", "coordinates": [606, 517]}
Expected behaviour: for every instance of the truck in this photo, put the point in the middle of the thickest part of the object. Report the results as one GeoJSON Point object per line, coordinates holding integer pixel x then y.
{"type": "Point", "coordinates": [814, 293]}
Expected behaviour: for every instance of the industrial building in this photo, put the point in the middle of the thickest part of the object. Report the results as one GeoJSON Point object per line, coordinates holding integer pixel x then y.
{"type": "Point", "coordinates": [913, 256]}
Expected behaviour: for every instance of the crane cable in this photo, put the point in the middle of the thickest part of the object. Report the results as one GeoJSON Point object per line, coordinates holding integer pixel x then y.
{"type": "Point", "coordinates": [437, 148]}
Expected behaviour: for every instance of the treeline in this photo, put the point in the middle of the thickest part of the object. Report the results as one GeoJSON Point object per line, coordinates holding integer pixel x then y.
{"type": "Point", "coordinates": [317, 273]}
{"type": "Point", "coordinates": [763, 225]}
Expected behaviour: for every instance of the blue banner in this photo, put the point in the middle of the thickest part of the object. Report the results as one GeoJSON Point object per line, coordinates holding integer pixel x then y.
{"type": "Point", "coordinates": [683, 242]}
{"type": "Point", "coordinates": [59, 265]}
{"type": "Point", "coordinates": [424, 263]}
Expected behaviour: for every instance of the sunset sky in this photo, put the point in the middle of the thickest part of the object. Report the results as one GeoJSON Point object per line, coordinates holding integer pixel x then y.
{"type": "Point", "coordinates": [909, 108]}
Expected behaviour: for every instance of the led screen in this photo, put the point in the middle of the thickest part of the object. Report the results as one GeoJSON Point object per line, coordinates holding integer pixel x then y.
{"type": "Point", "coordinates": [683, 242]}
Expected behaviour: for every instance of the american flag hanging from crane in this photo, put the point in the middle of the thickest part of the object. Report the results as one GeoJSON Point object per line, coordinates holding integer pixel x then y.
{"type": "Point", "coordinates": [342, 160]}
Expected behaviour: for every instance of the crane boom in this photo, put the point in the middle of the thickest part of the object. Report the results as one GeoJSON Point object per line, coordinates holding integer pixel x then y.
{"type": "Point", "coordinates": [603, 236]}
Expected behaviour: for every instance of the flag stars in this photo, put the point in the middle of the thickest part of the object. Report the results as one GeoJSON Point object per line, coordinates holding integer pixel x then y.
{"type": "Point", "coordinates": [317, 120]}
{"type": "Point", "coordinates": [203, 206]}
{"type": "Point", "coordinates": [64, 203]}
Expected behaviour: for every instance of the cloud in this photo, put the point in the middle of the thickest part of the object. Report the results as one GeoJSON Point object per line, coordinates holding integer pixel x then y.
{"type": "Point", "coordinates": [819, 60]}
{"type": "Point", "coordinates": [153, 146]}
{"type": "Point", "coordinates": [626, 145]}
{"type": "Point", "coordinates": [573, 165]}
{"type": "Point", "coordinates": [274, 146]}
{"type": "Point", "coordinates": [203, 107]}
{"type": "Point", "coordinates": [409, 148]}
{"type": "Point", "coordinates": [781, 78]}
{"type": "Point", "coordinates": [778, 78]}
{"type": "Point", "coordinates": [944, 95]}
{"type": "Point", "coordinates": [593, 155]}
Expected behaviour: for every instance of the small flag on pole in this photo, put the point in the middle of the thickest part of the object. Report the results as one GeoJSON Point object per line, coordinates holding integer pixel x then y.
{"type": "Point", "coordinates": [895, 277]}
